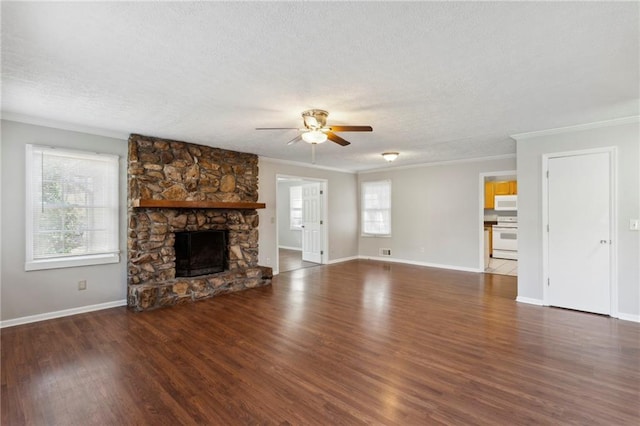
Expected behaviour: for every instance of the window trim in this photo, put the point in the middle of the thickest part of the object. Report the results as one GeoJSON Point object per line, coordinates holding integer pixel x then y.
{"type": "Point", "coordinates": [71, 261]}
{"type": "Point", "coordinates": [362, 210]}
{"type": "Point", "coordinates": [56, 262]}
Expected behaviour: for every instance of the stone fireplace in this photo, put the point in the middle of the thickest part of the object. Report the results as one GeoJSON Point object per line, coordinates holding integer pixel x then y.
{"type": "Point", "coordinates": [176, 187]}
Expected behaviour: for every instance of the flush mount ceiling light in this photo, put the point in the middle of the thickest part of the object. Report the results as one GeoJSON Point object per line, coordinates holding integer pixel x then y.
{"type": "Point", "coordinates": [390, 156]}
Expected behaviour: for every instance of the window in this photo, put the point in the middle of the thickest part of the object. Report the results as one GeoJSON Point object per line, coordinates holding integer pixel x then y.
{"type": "Point", "coordinates": [376, 208]}
{"type": "Point", "coordinates": [295, 207]}
{"type": "Point", "coordinates": [72, 208]}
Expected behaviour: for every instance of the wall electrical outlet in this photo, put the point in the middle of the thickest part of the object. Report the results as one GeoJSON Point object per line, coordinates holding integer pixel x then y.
{"type": "Point", "coordinates": [82, 285]}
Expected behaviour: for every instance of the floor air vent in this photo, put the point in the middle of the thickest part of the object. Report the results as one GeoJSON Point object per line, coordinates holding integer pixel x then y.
{"type": "Point", "coordinates": [385, 252]}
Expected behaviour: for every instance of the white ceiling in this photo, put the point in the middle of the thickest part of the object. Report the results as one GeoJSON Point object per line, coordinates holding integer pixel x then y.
{"type": "Point", "coordinates": [437, 81]}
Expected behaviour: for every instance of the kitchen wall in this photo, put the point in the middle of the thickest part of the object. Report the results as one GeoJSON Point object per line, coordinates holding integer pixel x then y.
{"type": "Point", "coordinates": [435, 218]}
{"type": "Point", "coordinates": [342, 209]}
{"type": "Point", "coordinates": [32, 293]}
{"type": "Point", "coordinates": [625, 136]}
{"type": "Point", "coordinates": [287, 237]}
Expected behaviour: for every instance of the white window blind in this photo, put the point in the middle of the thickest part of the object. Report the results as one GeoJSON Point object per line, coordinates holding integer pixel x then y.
{"type": "Point", "coordinates": [376, 208]}
{"type": "Point", "coordinates": [295, 207]}
{"type": "Point", "coordinates": [72, 208]}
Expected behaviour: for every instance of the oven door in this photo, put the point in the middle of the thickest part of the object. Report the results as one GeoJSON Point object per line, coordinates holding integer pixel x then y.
{"type": "Point", "coordinates": [505, 238]}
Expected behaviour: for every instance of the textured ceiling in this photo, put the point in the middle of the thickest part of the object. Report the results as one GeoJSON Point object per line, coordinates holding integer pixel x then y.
{"type": "Point", "coordinates": [437, 81]}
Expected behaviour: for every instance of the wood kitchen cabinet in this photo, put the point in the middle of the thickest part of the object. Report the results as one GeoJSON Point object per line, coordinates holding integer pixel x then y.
{"type": "Point", "coordinates": [501, 188]}
{"type": "Point", "coordinates": [506, 187]}
{"type": "Point", "coordinates": [491, 189]}
{"type": "Point", "coordinates": [489, 228]}
{"type": "Point", "coordinates": [489, 195]}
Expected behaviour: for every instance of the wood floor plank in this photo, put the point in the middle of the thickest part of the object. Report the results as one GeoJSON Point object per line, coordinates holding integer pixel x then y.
{"type": "Point", "coordinates": [290, 260]}
{"type": "Point", "coordinates": [360, 342]}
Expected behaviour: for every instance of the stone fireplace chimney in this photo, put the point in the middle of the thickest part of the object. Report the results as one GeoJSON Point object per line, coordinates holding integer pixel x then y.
{"type": "Point", "coordinates": [175, 187]}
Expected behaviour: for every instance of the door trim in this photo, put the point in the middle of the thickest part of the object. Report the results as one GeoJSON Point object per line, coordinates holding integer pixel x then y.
{"type": "Point", "coordinates": [613, 223]}
{"type": "Point", "coordinates": [324, 186]}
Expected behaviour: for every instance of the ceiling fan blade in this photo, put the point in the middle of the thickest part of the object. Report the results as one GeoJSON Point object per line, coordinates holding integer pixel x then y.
{"type": "Point", "coordinates": [337, 139]}
{"type": "Point", "coordinates": [351, 128]}
{"type": "Point", "coordinates": [294, 140]}
{"type": "Point", "coordinates": [276, 128]}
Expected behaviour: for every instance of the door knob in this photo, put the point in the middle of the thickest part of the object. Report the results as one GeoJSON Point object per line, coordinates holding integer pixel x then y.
{"type": "Point", "coordinates": [603, 241]}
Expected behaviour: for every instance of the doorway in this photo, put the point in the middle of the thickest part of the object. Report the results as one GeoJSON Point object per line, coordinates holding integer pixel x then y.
{"type": "Point", "coordinates": [301, 222]}
{"type": "Point", "coordinates": [498, 228]}
{"type": "Point", "coordinates": [578, 214]}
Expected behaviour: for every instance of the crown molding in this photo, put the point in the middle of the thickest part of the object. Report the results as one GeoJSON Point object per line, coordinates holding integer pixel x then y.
{"type": "Point", "coordinates": [439, 163]}
{"type": "Point", "coordinates": [61, 125]}
{"type": "Point", "coordinates": [306, 165]}
{"type": "Point", "coordinates": [577, 128]}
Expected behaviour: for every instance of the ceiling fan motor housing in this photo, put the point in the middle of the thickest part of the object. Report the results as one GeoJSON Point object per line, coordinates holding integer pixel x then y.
{"type": "Point", "coordinates": [315, 119]}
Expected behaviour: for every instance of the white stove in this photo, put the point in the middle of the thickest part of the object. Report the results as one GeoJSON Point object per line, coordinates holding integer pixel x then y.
{"type": "Point", "coordinates": [507, 221]}
{"type": "Point", "coordinates": [505, 238]}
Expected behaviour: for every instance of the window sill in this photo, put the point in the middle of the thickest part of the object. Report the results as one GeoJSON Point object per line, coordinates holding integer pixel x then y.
{"type": "Point", "coordinates": [71, 262]}
{"type": "Point", "coordinates": [375, 235]}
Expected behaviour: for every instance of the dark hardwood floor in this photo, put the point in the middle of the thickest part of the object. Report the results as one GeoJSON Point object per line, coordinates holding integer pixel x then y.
{"type": "Point", "coordinates": [360, 342]}
{"type": "Point", "coordinates": [290, 260]}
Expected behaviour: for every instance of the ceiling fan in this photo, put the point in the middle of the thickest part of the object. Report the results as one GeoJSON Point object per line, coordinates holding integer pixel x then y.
{"type": "Point", "coordinates": [316, 131]}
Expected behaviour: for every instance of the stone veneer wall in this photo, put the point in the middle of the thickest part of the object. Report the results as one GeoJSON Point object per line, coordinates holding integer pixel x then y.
{"type": "Point", "coordinates": [160, 169]}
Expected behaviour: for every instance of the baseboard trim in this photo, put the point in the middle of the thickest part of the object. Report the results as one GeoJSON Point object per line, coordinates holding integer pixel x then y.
{"type": "Point", "coordinates": [529, 301]}
{"type": "Point", "coordinates": [539, 302]}
{"type": "Point", "coordinates": [629, 317]}
{"type": "Point", "coordinates": [290, 248]}
{"type": "Point", "coordinates": [342, 259]}
{"type": "Point", "coordinates": [63, 313]}
{"type": "Point", "coordinates": [418, 263]}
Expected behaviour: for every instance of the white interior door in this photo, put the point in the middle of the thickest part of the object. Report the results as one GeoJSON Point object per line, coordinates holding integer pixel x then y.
{"type": "Point", "coordinates": [579, 243]}
{"type": "Point", "coordinates": [312, 223]}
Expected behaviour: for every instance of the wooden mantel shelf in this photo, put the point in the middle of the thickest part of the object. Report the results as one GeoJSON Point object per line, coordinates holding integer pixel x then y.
{"type": "Point", "coordinates": [174, 204]}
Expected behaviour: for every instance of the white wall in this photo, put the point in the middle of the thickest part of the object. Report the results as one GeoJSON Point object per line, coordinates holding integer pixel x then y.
{"type": "Point", "coordinates": [435, 207]}
{"type": "Point", "coordinates": [39, 292]}
{"type": "Point", "coordinates": [287, 237]}
{"type": "Point", "coordinates": [626, 138]}
{"type": "Point", "coordinates": [435, 218]}
{"type": "Point", "coordinates": [342, 208]}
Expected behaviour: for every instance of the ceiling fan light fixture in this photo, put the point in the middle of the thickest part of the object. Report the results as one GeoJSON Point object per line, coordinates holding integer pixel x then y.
{"type": "Point", "coordinates": [314, 136]}
{"type": "Point", "coordinates": [315, 119]}
{"type": "Point", "coordinates": [390, 156]}
{"type": "Point", "coordinates": [311, 122]}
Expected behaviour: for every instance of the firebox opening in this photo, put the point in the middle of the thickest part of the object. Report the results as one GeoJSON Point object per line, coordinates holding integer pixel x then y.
{"type": "Point", "coordinates": [200, 253]}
